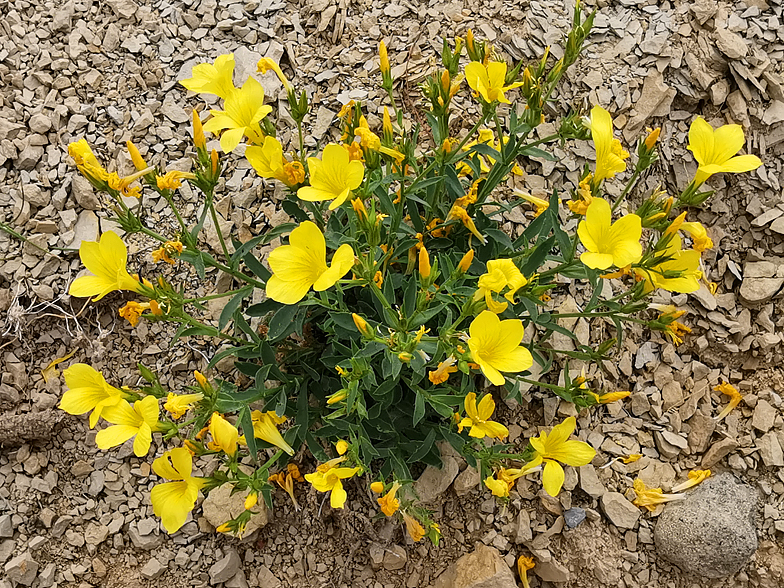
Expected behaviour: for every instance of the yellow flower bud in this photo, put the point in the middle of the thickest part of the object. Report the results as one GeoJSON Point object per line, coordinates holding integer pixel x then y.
{"type": "Point", "coordinates": [465, 262]}
{"type": "Point", "coordinates": [200, 379]}
{"type": "Point", "coordinates": [198, 132]}
{"type": "Point", "coordinates": [361, 325]}
{"type": "Point", "coordinates": [337, 396]}
{"type": "Point", "coordinates": [214, 162]}
{"type": "Point", "coordinates": [387, 124]}
{"type": "Point", "coordinates": [652, 137]}
{"type": "Point", "coordinates": [405, 356]}
{"type": "Point", "coordinates": [377, 487]}
{"type": "Point", "coordinates": [341, 447]}
{"type": "Point", "coordinates": [136, 157]}
{"type": "Point", "coordinates": [251, 500]}
{"type": "Point", "coordinates": [383, 58]}
{"type": "Point", "coordinates": [424, 263]}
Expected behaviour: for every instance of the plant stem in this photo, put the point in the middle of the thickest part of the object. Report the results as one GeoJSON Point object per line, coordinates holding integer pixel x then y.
{"type": "Point", "coordinates": [622, 197]}
{"type": "Point", "coordinates": [218, 229]}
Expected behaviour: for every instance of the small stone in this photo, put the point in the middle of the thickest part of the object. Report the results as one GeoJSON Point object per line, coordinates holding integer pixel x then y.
{"type": "Point", "coordinates": [221, 505]}
{"type": "Point", "coordinates": [731, 44]}
{"type": "Point", "coordinates": [466, 481]}
{"type": "Point", "coordinates": [524, 533]}
{"type": "Point", "coordinates": [86, 229]}
{"type": "Point", "coordinates": [702, 428]}
{"type": "Point", "coordinates": [95, 534]}
{"type": "Point", "coordinates": [6, 549]}
{"type": "Point", "coordinates": [574, 516]}
{"type": "Point", "coordinates": [622, 513]}
{"type": "Point", "coordinates": [84, 194]}
{"type": "Point", "coordinates": [22, 569]}
{"type": "Point", "coordinates": [99, 568]}
{"type": "Point", "coordinates": [223, 569]}
{"type": "Point", "coordinates": [29, 157]}
{"type": "Point", "coordinates": [376, 553]}
{"type": "Point", "coordinates": [434, 481]}
{"type": "Point", "coordinates": [764, 416]}
{"type": "Point", "coordinates": [395, 558]}
{"type": "Point", "coordinates": [718, 451]}
{"type": "Point", "coordinates": [154, 569]}
{"type": "Point", "coordinates": [47, 575]}
{"type": "Point", "coordinates": [39, 123]}
{"type": "Point", "coordinates": [6, 526]}
{"type": "Point", "coordinates": [711, 533]}
{"type": "Point", "coordinates": [552, 571]}
{"type": "Point", "coordinates": [266, 578]}
{"type": "Point", "coordinates": [483, 568]}
{"type": "Point", "coordinates": [770, 450]}
{"type": "Point", "coordinates": [97, 481]}
{"type": "Point", "coordinates": [758, 290]}
{"type": "Point", "coordinates": [589, 481]}
{"type": "Point", "coordinates": [174, 111]}
{"type": "Point", "coordinates": [81, 468]}
{"type": "Point", "coordinates": [774, 114]}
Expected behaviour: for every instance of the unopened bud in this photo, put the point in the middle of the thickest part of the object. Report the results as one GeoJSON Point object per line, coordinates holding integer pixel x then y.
{"type": "Point", "coordinates": [136, 157]}
{"type": "Point", "coordinates": [424, 264]}
{"type": "Point", "coordinates": [377, 487]}
{"type": "Point", "coordinates": [652, 137]}
{"type": "Point", "coordinates": [251, 500]}
{"type": "Point", "coordinates": [361, 325]}
{"type": "Point", "coordinates": [465, 262]}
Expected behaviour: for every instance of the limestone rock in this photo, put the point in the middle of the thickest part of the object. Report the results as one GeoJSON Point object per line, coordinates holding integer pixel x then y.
{"type": "Point", "coordinates": [552, 571]}
{"type": "Point", "coordinates": [466, 481]}
{"type": "Point", "coordinates": [225, 568]}
{"type": "Point", "coordinates": [622, 513]}
{"type": "Point", "coordinates": [434, 482]}
{"type": "Point", "coordinates": [718, 451]}
{"type": "Point", "coordinates": [484, 568]}
{"type": "Point", "coordinates": [84, 194]}
{"type": "Point", "coordinates": [711, 532]}
{"type": "Point", "coordinates": [731, 44]}
{"type": "Point", "coordinates": [221, 505]}
{"type": "Point", "coordinates": [590, 482]}
{"type": "Point", "coordinates": [22, 569]}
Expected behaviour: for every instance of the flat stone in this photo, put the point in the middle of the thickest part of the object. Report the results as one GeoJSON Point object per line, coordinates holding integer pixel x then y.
{"type": "Point", "coordinates": [731, 44]}
{"type": "Point", "coordinates": [225, 568]}
{"type": "Point", "coordinates": [552, 571]}
{"type": "Point", "coordinates": [711, 533]}
{"type": "Point", "coordinates": [466, 481]}
{"type": "Point", "coordinates": [395, 558]}
{"type": "Point", "coordinates": [6, 549]}
{"type": "Point", "coordinates": [702, 428]}
{"type": "Point", "coordinates": [221, 506]}
{"type": "Point", "coordinates": [434, 481]}
{"type": "Point", "coordinates": [770, 450]}
{"type": "Point", "coordinates": [153, 569]}
{"type": "Point", "coordinates": [655, 100]}
{"type": "Point", "coordinates": [86, 229]}
{"type": "Point", "coordinates": [590, 482]}
{"type": "Point", "coordinates": [718, 451]}
{"type": "Point", "coordinates": [84, 193]}
{"type": "Point", "coordinates": [574, 516]}
{"type": "Point", "coordinates": [759, 290]}
{"type": "Point", "coordinates": [621, 513]}
{"type": "Point", "coordinates": [764, 416]}
{"type": "Point", "coordinates": [6, 527]}
{"type": "Point", "coordinates": [483, 568]}
{"type": "Point", "coordinates": [95, 534]}
{"type": "Point", "coordinates": [22, 569]}
{"type": "Point", "coordinates": [523, 533]}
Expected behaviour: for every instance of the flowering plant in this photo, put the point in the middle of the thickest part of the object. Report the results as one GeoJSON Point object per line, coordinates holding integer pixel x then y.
{"type": "Point", "coordinates": [397, 298]}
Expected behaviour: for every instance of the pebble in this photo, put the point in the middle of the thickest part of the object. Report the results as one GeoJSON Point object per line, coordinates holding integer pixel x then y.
{"type": "Point", "coordinates": [552, 571]}
{"type": "Point", "coordinates": [225, 568]}
{"type": "Point", "coordinates": [718, 451]}
{"type": "Point", "coordinates": [154, 569]}
{"type": "Point", "coordinates": [711, 533]}
{"type": "Point", "coordinates": [6, 526]}
{"type": "Point", "coordinates": [589, 481]}
{"type": "Point", "coordinates": [764, 416]}
{"type": "Point", "coordinates": [574, 516]}
{"type": "Point", "coordinates": [395, 558]}
{"type": "Point", "coordinates": [621, 513]}
{"type": "Point", "coordinates": [435, 481]}
{"type": "Point", "coordinates": [483, 568]}
{"type": "Point", "coordinates": [22, 569]}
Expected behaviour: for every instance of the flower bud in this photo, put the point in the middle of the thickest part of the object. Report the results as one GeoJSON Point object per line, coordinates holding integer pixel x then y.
{"type": "Point", "coordinates": [405, 356]}
{"type": "Point", "coordinates": [377, 487]}
{"type": "Point", "coordinates": [136, 157]}
{"type": "Point", "coordinates": [465, 262]}
{"type": "Point", "coordinates": [383, 59]}
{"type": "Point", "coordinates": [341, 447]}
{"type": "Point", "coordinates": [652, 137]}
{"type": "Point", "coordinates": [251, 500]}
{"type": "Point", "coordinates": [214, 164]}
{"type": "Point", "coordinates": [201, 380]}
{"type": "Point", "coordinates": [198, 133]}
{"type": "Point", "coordinates": [424, 263]}
{"type": "Point", "coordinates": [361, 325]}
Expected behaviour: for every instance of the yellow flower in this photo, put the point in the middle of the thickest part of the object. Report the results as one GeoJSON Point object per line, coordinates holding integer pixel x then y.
{"type": "Point", "coordinates": [584, 195]}
{"type": "Point", "coordinates": [265, 64]}
{"type": "Point", "coordinates": [302, 264]}
{"type": "Point", "coordinates": [497, 487]}
{"type": "Point", "coordinates": [86, 162]}
{"type": "Point", "coordinates": [133, 310]}
{"type": "Point", "coordinates": [377, 487]}
{"type": "Point", "coordinates": [631, 458]}
{"type": "Point", "coordinates": [178, 404]}
{"type": "Point", "coordinates": [173, 179]}
{"type": "Point", "coordinates": [687, 263]}
{"type": "Point", "coordinates": [699, 236]}
{"type": "Point", "coordinates": [539, 203]}
{"type": "Point", "coordinates": [217, 78]}
{"type": "Point", "coordinates": [465, 261]}
{"type": "Point", "coordinates": [172, 501]}
{"type": "Point", "coordinates": [501, 273]}
{"type": "Point", "coordinates": [265, 427]}
{"type": "Point", "coordinates": [341, 447]}
{"type": "Point", "coordinates": [106, 259]}
{"type": "Point", "coordinates": [556, 446]}
{"type": "Point", "coordinates": [478, 418]}
{"type": "Point", "coordinates": [383, 59]}
{"type": "Point", "coordinates": [88, 390]}
{"type": "Point", "coordinates": [441, 373]}
{"type": "Point", "coordinates": [241, 114]}
{"type": "Point", "coordinates": [139, 420]}
{"type": "Point", "coordinates": [735, 397]}
{"type": "Point", "coordinates": [123, 185]}
{"type": "Point", "coordinates": [165, 252]}
{"type": "Point", "coordinates": [269, 162]}
{"type": "Point", "coordinates": [460, 213]}
{"type": "Point", "coordinates": [327, 478]}
{"type": "Point", "coordinates": [495, 346]}
{"type": "Point", "coordinates": [695, 477]}
{"type": "Point", "coordinates": [610, 155]}
{"type": "Point", "coordinates": [714, 150]}
{"type": "Point", "coordinates": [286, 481]}
{"type": "Point", "coordinates": [332, 177]}
{"type": "Point", "coordinates": [653, 136]}
{"type": "Point", "coordinates": [650, 498]}
{"type": "Point", "coordinates": [424, 264]}
{"type": "Point", "coordinates": [224, 435]}
{"type": "Point", "coordinates": [609, 243]}
{"type": "Point", "coordinates": [388, 503]}
{"type": "Point", "coordinates": [489, 80]}
{"type": "Point", "coordinates": [415, 530]}
{"type": "Point", "coordinates": [523, 565]}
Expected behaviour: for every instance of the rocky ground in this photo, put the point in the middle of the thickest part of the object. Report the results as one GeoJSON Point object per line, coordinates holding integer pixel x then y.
{"type": "Point", "coordinates": [71, 515]}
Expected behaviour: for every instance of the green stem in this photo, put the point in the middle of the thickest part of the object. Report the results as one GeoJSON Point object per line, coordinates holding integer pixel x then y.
{"type": "Point", "coordinates": [218, 229]}
{"type": "Point", "coordinates": [210, 297]}
{"type": "Point", "coordinates": [301, 143]}
{"type": "Point", "coordinates": [627, 189]}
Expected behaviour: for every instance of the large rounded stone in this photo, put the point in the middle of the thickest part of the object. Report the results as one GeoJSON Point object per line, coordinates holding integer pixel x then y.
{"type": "Point", "coordinates": [711, 532]}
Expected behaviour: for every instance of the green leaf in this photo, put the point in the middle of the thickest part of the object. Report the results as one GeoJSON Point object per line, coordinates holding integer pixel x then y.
{"type": "Point", "coordinates": [410, 296]}
{"type": "Point", "coordinates": [232, 305]}
{"type": "Point", "coordinates": [419, 408]}
{"type": "Point", "coordinates": [424, 447]}
{"type": "Point", "coordinates": [194, 258]}
{"type": "Point", "coordinates": [539, 153]}
{"type": "Point", "coordinates": [292, 209]}
{"type": "Point", "coordinates": [246, 423]}
{"type": "Point", "coordinates": [281, 322]}
{"type": "Point", "coordinates": [257, 268]}
{"type": "Point", "coordinates": [263, 308]}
